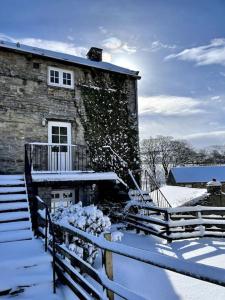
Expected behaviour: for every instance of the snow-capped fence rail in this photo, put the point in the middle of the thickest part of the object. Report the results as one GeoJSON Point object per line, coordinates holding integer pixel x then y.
{"type": "Point", "coordinates": [70, 267]}
{"type": "Point", "coordinates": [179, 223]}
{"type": "Point", "coordinates": [75, 272]}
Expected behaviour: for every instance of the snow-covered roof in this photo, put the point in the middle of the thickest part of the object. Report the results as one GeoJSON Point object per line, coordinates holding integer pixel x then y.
{"type": "Point", "coordinates": [178, 196]}
{"type": "Point", "coordinates": [67, 58]}
{"type": "Point", "coordinates": [198, 174]}
{"type": "Point", "coordinates": [74, 176]}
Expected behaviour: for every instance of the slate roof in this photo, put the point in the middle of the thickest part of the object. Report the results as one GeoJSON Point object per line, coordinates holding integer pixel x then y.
{"type": "Point", "coordinates": [67, 57]}
{"type": "Point", "coordinates": [198, 174]}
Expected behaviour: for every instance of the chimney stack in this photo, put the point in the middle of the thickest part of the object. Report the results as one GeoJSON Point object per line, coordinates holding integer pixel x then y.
{"type": "Point", "coordinates": [95, 54]}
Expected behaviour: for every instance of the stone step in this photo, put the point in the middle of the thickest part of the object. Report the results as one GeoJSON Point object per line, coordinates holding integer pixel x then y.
{"type": "Point", "coordinates": [17, 235]}
{"type": "Point", "coordinates": [12, 177]}
{"type": "Point", "coordinates": [15, 226]}
{"type": "Point", "coordinates": [11, 182]}
{"type": "Point", "coordinates": [13, 206]}
{"type": "Point", "coordinates": [8, 190]}
{"type": "Point", "coordinates": [14, 216]}
{"type": "Point", "coordinates": [12, 197]}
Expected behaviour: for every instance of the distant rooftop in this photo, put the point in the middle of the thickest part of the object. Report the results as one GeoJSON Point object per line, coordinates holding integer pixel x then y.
{"type": "Point", "coordinates": [198, 174]}
{"type": "Point", "coordinates": [67, 58]}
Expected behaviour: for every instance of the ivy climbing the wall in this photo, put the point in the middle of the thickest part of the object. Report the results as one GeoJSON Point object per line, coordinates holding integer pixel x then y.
{"type": "Point", "coordinates": [108, 120]}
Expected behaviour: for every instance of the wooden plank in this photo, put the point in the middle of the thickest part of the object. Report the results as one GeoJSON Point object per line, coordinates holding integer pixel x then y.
{"type": "Point", "coordinates": [109, 265]}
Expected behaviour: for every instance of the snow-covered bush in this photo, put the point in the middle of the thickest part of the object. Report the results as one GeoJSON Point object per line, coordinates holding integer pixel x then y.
{"type": "Point", "coordinates": [89, 219]}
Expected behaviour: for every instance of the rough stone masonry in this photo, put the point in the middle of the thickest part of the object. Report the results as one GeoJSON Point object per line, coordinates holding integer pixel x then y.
{"type": "Point", "coordinates": [26, 100]}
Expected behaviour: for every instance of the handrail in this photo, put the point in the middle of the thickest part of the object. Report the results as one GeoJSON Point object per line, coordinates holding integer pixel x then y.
{"type": "Point", "coordinates": [197, 271]}
{"type": "Point", "coordinates": [200, 272]}
{"type": "Point", "coordinates": [125, 164]}
{"type": "Point", "coordinates": [103, 280]}
{"type": "Point", "coordinates": [48, 222]}
{"type": "Point", "coordinates": [146, 173]}
{"type": "Point", "coordinates": [56, 144]}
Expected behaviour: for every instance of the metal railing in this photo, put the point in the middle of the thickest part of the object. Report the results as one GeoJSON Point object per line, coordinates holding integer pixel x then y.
{"type": "Point", "coordinates": [150, 184]}
{"type": "Point", "coordinates": [48, 233]}
{"type": "Point", "coordinates": [57, 158]}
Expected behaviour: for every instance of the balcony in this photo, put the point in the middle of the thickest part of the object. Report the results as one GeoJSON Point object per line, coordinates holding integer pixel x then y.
{"type": "Point", "coordinates": [57, 158]}
{"type": "Point", "coordinates": [47, 162]}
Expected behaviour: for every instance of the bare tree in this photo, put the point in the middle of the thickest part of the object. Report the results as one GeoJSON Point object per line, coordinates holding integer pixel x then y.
{"type": "Point", "coordinates": [166, 152]}
{"type": "Point", "coordinates": [150, 154]}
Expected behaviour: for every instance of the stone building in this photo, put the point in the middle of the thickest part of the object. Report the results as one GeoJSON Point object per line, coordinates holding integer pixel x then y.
{"type": "Point", "coordinates": [65, 109]}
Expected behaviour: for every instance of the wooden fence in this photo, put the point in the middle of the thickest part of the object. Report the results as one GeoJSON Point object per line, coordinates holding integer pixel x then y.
{"type": "Point", "coordinates": [178, 223]}
{"type": "Point", "coordinates": [74, 271]}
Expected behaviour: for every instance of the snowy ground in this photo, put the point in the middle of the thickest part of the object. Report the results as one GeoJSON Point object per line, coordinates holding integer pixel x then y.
{"type": "Point", "coordinates": [178, 196]}
{"type": "Point", "coordinates": [26, 268]}
{"type": "Point", "coordinates": [157, 284]}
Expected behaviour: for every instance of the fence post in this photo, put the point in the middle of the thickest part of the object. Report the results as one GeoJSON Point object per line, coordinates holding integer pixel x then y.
{"type": "Point", "coordinates": [46, 230]}
{"type": "Point", "coordinates": [167, 218]}
{"type": "Point", "coordinates": [109, 265]}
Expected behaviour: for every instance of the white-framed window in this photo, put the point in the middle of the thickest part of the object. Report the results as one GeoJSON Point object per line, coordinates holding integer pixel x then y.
{"type": "Point", "coordinates": [60, 77]}
{"type": "Point", "coordinates": [62, 198]}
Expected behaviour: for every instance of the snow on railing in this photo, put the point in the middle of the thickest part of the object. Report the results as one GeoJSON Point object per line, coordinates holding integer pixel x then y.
{"type": "Point", "coordinates": [69, 268]}
{"type": "Point", "coordinates": [195, 270]}
{"type": "Point", "coordinates": [179, 223]}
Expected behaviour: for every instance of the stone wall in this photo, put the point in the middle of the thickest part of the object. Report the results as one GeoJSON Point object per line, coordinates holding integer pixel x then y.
{"type": "Point", "coordinates": [26, 99]}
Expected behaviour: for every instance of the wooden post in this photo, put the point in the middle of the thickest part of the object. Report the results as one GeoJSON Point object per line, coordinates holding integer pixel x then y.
{"type": "Point", "coordinates": [109, 265]}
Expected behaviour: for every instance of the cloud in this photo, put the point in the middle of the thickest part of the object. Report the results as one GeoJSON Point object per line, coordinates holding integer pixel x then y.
{"type": "Point", "coordinates": [65, 47]}
{"type": "Point", "coordinates": [102, 29]}
{"type": "Point", "coordinates": [199, 120]}
{"type": "Point", "coordinates": [115, 45]}
{"type": "Point", "coordinates": [112, 43]}
{"type": "Point", "coordinates": [215, 97]}
{"type": "Point", "coordinates": [167, 105]}
{"type": "Point", "coordinates": [213, 53]}
{"type": "Point", "coordinates": [203, 139]}
{"type": "Point", "coordinates": [158, 45]}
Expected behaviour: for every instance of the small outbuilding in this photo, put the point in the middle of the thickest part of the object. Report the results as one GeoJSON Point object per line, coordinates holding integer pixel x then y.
{"type": "Point", "coordinates": [196, 176]}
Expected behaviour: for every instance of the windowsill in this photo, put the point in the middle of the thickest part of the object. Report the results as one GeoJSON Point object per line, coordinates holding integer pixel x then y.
{"type": "Point", "coordinates": [61, 86]}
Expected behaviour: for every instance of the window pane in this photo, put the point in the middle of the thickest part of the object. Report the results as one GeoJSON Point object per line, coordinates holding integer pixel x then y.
{"type": "Point", "coordinates": [63, 148]}
{"type": "Point", "coordinates": [55, 130]}
{"type": "Point", "coordinates": [69, 82]}
{"type": "Point", "coordinates": [56, 80]}
{"type": "Point", "coordinates": [63, 130]}
{"type": "Point", "coordinates": [68, 76]}
{"type": "Point", "coordinates": [64, 81]}
{"type": "Point", "coordinates": [55, 139]}
{"type": "Point", "coordinates": [63, 139]}
{"type": "Point", "coordinates": [52, 73]}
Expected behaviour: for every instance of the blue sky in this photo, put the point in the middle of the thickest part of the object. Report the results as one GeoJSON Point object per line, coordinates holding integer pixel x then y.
{"type": "Point", "coordinates": [177, 45]}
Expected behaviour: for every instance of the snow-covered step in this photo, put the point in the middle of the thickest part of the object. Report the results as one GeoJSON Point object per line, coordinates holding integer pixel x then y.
{"type": "Point", "coordinates": [25, 253]}
{"type": "Point", "coordinates": [12, 182]}
{"type": "Point", "coordinates": [15, 226]}
{"type": "Point", "coordinates": [12, 177]}
{"type": "Point", "coordinates": [13, 197]}
{"type": "Point", "coordinates": [14, 216]}
{"type": "Point", "coordinates": [13, 206]}
{"type": "Point", "coordinates": [17, 235]}
{"type": "Point", "coordinates": [11, 189]}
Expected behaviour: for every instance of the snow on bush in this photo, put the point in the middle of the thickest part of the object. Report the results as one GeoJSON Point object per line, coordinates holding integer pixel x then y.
{"type": "Point", "coordinates": [89, 219]}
